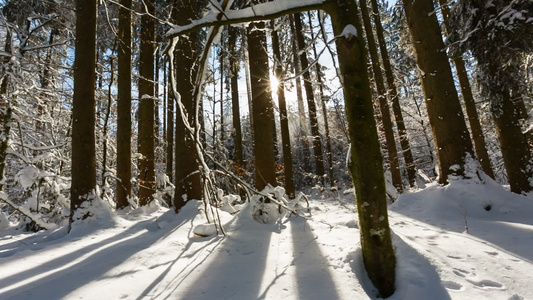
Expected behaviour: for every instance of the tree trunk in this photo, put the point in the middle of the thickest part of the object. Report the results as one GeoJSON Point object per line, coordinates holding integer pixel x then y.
{"type": "Point", "coordinates": [382, 98]}
{"type": "Point", "coordinates": [221, 57]}
{"type": "Point", "coordinates": [5, 110]}
{"type": "Point", "coordinates": [263, 112]}
{"type": "Point", "coordinates": [170, 134]}
{"type": "Point", "coordinates": [324, 109]}
{"type": "Point", "coordinates": [311, 106]}
{"type": "Point", "coordinates": [470, 104]}
{"type": "Point", "coordinates": [514, 145]}
{"type": "Point", "coordinates": [187, 180]}
{"type": "Point", "coordinates": [234, 84]}
{"type": "Point", "coordinates": [393, 94]}
{"type": "Point", "coordinates": [302, 131]}
{"type": "Point", "coordinates": [450, 134]}
{"type": "Point", "coordinates": [124, 191]}
{"type": "Point", "coordinates": [284, 118]}
{"type": "Point", "coordinates": [365, 161]}
{"type": "Point", "coordinates": [105, 128]}
{"type": "Point", "coordinates": [83, 107]}
{"type": "Point", "coordinates": [146, 108]}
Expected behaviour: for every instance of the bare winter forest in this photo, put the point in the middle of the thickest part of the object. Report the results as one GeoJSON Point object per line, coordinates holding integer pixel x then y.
{"type": "Point", "coordinates": [165, 149]}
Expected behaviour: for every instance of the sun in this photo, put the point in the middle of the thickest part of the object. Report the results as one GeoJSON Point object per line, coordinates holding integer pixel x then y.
{"type": "Point", "coordinates": [274, 82]}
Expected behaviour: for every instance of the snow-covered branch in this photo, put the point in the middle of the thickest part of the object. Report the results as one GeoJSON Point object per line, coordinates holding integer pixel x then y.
{"type": "Point", "coordinates": [258, 12]}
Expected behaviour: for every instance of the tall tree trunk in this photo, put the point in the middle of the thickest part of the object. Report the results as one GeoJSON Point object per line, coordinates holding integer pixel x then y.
{"type": "Point", "coordinates": [365, 161]}
{"type": "Point", "coordinates": [124, 191]}
{"type": "Point", "coordinates": [83, 107]}
{"type": "Point", "coordinates": [324, 109]}
{"type": "Point", "coordinates": [106, 118]}
{"type": "Point", "coordinates": [170, 134]}
{"type": "Point", "coordinates": [450, 134]}
{"type": "Point", "coordinates": [234, 84]}
{"type": "Point", "coordinates": [284, 118]}
{"type": "Point", "coordinates": [263, 112]}
{"type": "Point", "coordinates": [470, 104]}
{"type": "Point", "coordinates": [311, 106]}
{"type": "Point", "coordinates": [5, 110]}
{"type": "Point", "coordinates": [302, 130]}
{"type": "Point", "coordinates": [393, 93]}
{"type": "Point", "coordinates": [382, 98]}
{"type": "Point", "coordinates": [221, 57]}
{"type": "Point", "coordinates": [514, 144]}
{"type": "Point", "coordinates": [146, 107]}
{"type": "Point", "coordinates": [187, 180]}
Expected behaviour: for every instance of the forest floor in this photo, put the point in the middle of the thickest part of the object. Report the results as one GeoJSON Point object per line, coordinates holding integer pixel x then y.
{"type": "Point", "coordinates": [152, 253]}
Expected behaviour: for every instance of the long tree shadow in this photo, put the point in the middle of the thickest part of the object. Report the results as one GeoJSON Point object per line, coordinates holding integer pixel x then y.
{"type": "Point", "coordinates": [313, 278]}
{"type": "Point", "coordinates": [69, 274]}
{"type": "Point", "coordinates": [156, 289]}
{"type": "Point", "coordinates": [236, 271]}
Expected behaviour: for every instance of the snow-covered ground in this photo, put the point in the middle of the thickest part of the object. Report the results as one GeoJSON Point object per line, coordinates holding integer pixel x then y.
{"type": "Point", "coordinates": [152, 253]}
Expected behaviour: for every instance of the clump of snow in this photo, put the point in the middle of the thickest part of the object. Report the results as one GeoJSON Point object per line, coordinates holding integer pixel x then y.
{"type": "Point", "coordinates": [93, 213]}
{"type": "Point", "coordinates": [349, 32]}
{"type": "Point", "coordinates": [205, 230]}
{"type": "Point", "coordinates": [27, 176]}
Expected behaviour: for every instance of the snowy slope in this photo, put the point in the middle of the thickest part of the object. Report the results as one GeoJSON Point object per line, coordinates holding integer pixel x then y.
{"type": "Point", "coordinates": [153, 254]}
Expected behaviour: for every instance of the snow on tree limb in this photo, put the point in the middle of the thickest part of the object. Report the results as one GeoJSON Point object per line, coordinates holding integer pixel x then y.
{"type": "Point", "coordinates": [258, 12]}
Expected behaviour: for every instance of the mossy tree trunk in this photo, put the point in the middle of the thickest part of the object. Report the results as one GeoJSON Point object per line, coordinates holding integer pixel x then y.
{"type": "Point", "coordinates": [365, 163]}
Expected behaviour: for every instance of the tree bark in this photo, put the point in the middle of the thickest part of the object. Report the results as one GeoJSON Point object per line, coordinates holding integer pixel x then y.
{"type": "Point", "coordinates": [514, 145]}
{"type": "Point", "coordinates": [5, 110]}
{"type": "Point", "coordinates": [382, 98]}
{"type": "Point", "coordinates": [124, 191]}
{"type": "Point", "coordinates": [234, 84]}
{"type": "Point", "coordinates": [262, 110]}
{"type": "Point", "coordinates": [365, 161]}
{"type": "Point", "coordinates": [450, 134]}
{"type": "Point", "coordinates": [470, 104]}
{"type": "Point", "coordinates": [146, 139]}
{"type": "Point", "coordinates": [170, 134]}
{"type": "Point", "coordinates": [311, 105]}
{"type": "Point", "coordinates": [323, 100]}
{"type": "Point", "coordinates": [284, 118]}
{"type": "Point", "coordinates": [393, 94]}
{"type": "Point", "coordinates": [187, 180]}
{"type": "Point", "coordinates": [302, 130]}
{"type": "Point", "coordinates": [83, 107]}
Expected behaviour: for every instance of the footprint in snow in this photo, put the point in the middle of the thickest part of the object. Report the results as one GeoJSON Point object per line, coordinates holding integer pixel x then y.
{"type": "Point", "coordinates": [460, 272]}
{"type": "Point", "coordinates": [452, 285]}
{"type": "Point", "coordinates": [454, 257]}
{"type": "Point", "coordinates": [486, 284]}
